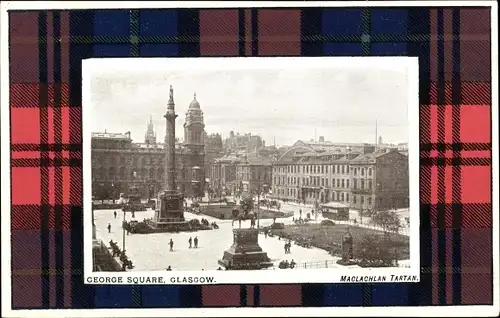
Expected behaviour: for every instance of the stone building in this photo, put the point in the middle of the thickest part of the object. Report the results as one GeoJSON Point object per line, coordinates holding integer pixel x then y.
{"type": "Point", "coordinates": [213, 149]}
{"type": "Point", "coordinates": [254, 174]}
{"type": "Point", "coordinates": [313, 176]}
{"type": "Point", "coordinates": [380, 180]}
{"type": "Point", "coordinates": [356, 175]}
{"type": "Point", "coordinates": [246, 142]}
{"type": "Point", "coordinates": [119, 164]}
{"type": "Point", "coordinates": [222, 174]}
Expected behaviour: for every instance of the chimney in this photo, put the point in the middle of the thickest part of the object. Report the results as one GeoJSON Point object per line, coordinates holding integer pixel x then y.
{"type": "Point", "coordinates": [321, 138]}
{"type": "Point", "coordinates": [127, 134]}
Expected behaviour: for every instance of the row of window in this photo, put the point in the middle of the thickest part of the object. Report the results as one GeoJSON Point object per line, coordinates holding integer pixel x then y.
{"type": "Point", "coordinates": [322, 182]}
{"type": "Point", "coordinates": [124, 174]}
{"type": "Point", "coordinates": [135, 160]}
{"type": "Point", "coordinates": [322, 169]}
{"type": "Point", "coordinates": [254, 176]}
{"type": "Point", "coordinates": [335, 196]}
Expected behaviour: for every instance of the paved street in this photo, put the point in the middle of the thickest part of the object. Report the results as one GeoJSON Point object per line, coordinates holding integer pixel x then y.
{"type": "Point", "coordinates": [151, 252]}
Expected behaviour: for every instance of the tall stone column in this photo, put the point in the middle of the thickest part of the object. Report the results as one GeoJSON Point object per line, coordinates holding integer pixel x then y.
{"type": "Point", "coordinates": [170, 116]}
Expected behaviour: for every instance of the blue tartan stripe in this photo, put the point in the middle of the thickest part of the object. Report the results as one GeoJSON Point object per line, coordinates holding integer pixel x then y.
{"type": "Point", "coordinates": [160, 296]}
{"type": "Point", "coordinates": [81, 24]}
{"type": "Point", "coordinates": [389, 21]}
{"type": "Point", "coordinates": [419, 23]}
{"type": "Point", "coordinates": [390, 295]}
{"type": "Point", "coordinates": [311, 25]}
{"type": "Point", "coordinates": [113, 296]}
{"type": "Point", "coordinates": [44, 173]}
{"type": "Point", "coordinates": [456, 191]}
{"type": "Point", "coordinates": [343, 295]}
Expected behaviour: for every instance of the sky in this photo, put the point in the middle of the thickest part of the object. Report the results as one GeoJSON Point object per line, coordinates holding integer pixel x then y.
{"type": "Point", "coordinates": [342, 104]}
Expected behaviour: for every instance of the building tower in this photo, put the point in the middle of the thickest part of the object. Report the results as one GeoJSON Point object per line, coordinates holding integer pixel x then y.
{"type": "Point", "coordinates": [194, 143]}
{"type": "Point", "coordinates": [150, 136]}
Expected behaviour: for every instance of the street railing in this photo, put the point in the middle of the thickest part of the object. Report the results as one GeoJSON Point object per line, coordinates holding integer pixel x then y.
{"type": "Point", "coordinates": [318, 264]}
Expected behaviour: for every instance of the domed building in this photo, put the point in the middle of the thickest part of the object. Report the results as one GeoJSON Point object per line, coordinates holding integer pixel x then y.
{"type": "Point", "coordinates": [119, 163]}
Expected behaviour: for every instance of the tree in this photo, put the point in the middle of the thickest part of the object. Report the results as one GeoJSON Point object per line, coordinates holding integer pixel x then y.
{"type": "Point", "coordinates": [388, 220]}
{"type": "Point", "coordinates": [376, 251]}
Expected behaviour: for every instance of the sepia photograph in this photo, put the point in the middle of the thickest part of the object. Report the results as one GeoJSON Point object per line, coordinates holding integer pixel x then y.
{"type": "Point", "coordinates": [265, 165]}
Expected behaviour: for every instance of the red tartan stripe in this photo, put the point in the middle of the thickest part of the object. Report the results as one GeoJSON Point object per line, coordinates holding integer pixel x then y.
{"type": "Point", "coordinates": [24, 155]}
{"type": "Point", "coordinates": [280, 295]}
{"type": "Point", "coordinates": [25, 126]}
{"type": "Point", "coordinates": [471, 93]}
{"type": "Point", "coordinates": [219, 32]}
{"type": "Point", "coordinates": [220, 296]}
{"type": "Point", "coordinates": [475, 123]}
{"type": "Point", "coordinates": [27, 94]}
{"type": "Point", "coordinates": [279, 32]}
{"type": "Point", "coordinates": [475, 184]}
{"type": "Point", "coordinates": [26, 184]}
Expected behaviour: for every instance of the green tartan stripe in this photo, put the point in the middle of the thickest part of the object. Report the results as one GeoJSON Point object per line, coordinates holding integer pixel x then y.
{"type": "Point", "coordinates": [137, 39]}
{"type": "Point", "coordinates": [366, 27]}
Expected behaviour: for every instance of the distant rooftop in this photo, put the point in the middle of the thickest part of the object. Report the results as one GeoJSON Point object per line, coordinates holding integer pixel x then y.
{"type": "Point", "coordinates": [107, 135]}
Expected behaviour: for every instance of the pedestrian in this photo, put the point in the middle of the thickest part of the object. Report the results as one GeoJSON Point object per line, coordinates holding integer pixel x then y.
{"type": "Point", "coordinates": [286, 248]}
{"type": "Point", "coordinates": [190, 242]}
{"type": "Point", "coordinates": [196, 242]}
{"type": "Point", "coordinates": [300, 213]}
{"type": "Point", "coordinates": [171, 243]}
{"type": "Point", "coordinates": [292, 264]}
{"type": "Point", "coordinates": [109, 227]}
{"type": "Point", "coordinates": [114, 213]}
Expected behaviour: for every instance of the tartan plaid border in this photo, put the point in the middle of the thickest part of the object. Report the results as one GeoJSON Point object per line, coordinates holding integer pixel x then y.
{"type": "Point", "coordinates": [453, 46]}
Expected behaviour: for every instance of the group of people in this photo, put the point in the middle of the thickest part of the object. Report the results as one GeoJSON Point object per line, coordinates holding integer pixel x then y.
{"type": "Point", "coordinates": [126, 263]}
{"type": "Point", "coordinates": [288, 245]}
{"type": "Point", "coordinates": [191, 241]}
{"type": "Point", "coordinates": [285, 264]}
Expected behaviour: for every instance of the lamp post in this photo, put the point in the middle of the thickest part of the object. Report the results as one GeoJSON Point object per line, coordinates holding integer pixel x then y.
{"type": "Point", "coordinates": [123, 226]}
{"type": "Point", "coordinates": [258, 206]}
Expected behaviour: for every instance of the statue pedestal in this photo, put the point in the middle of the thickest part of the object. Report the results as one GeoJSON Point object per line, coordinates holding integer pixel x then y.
{"type": "Point", "coordinates": [245, 253]}
{"type": "Point", "coordinates": [169, 213]}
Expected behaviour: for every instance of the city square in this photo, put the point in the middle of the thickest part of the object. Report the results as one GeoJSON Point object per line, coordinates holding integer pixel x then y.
{"type": "Point", "coordinates": [194, 200]}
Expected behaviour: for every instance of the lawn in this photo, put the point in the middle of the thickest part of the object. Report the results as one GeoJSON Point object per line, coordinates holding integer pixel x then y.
{"type": "Point", "coordinates": [330, 237]}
